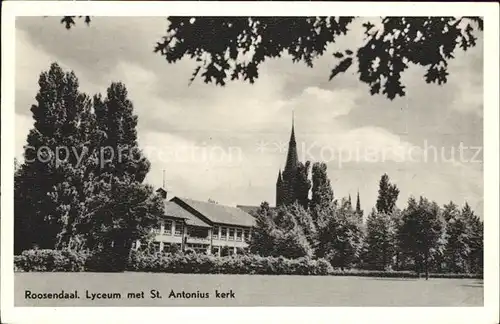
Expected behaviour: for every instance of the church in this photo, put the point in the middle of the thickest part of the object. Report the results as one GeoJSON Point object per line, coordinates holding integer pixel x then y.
{"type": "Point", "coordinates": [286, 185]}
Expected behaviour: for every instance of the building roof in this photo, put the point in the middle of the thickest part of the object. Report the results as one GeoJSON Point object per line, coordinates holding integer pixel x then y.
{"type": "Point", "coordinates": [216, 213]}
{"type": "Point", "coordinates": [249, 209]}
{"type": "Point", "coordinates": [174, 210]}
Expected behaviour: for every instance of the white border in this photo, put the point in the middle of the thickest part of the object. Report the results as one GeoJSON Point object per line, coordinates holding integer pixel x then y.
{"type": "Point", "coordinates": [487, 314]}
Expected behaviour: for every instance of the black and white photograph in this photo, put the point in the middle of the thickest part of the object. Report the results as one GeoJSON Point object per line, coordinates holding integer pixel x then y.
{"type": "Point", "coordinates": [249, 160]}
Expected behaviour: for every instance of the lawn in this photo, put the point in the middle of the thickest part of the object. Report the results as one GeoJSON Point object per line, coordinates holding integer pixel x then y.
{"type": "Point", "coordinates": [249, 290]}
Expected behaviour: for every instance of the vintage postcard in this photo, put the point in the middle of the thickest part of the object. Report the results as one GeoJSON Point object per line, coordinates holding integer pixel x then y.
{"type": "Point", "coordinates": [159, 156]}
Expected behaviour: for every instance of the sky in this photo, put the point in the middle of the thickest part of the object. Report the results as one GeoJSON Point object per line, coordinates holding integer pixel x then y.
{"type": "Point", "coordinates": [228, 143]}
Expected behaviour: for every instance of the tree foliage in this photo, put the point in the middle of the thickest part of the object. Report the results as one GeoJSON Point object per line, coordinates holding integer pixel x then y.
{"type": "Point", "coordinates": [340, 236]}
{"type": "Point", "coordinates": [379, 244]}
{"type": "Point", "coordinates": [303, 184]}
{"type": "Point", "coordinates": [115, 118]}
{"type": "Point", "coordinates": [45, 200]}
{"type": "Point", "coordinates": [420, 231]}
{"type": "Point", "coordinates": [285, 231]}
{"type": "Point", "coordinates": [387, 195]}
{"type": "Point", "coordinates": [67, 193]}
{"type": "Point", "coordinates": [120, 213]}
{"type": "Point", "coordinates": [322, 192]}
{"type": "Point", "coordinates": [233, 48]}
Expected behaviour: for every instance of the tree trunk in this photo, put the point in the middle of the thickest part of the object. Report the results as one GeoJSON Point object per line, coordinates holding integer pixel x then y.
{"type": "Point", "coordinates": [426, 264]}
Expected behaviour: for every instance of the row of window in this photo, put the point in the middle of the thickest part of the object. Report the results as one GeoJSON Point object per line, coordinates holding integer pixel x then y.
{"type": "Point", "coordinates": [220, 233]}
{"type": "Point", "coordinates": [167, 228]}
{"type": "Point", "coordinates": [231, 234]}
{"type": "Point", "coordinates": [198, 248]}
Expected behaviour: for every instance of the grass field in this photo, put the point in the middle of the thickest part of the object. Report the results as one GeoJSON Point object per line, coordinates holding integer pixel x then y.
{"type": "Point", "coordinates": [249, 290]}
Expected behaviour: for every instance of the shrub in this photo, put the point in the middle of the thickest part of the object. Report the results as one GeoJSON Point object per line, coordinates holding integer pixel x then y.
{"type": "Point", "coordinates": [236, 264]}
{"type": "Point", "coordinates": [50, 260]}
{"type": "Point", "coordinates": [112, 260]}
{"type": "Point", "coordinates": [108, 260]}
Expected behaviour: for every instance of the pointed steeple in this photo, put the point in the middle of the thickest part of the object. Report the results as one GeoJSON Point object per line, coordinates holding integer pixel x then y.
{"type": "Point", "coordinates": [358, 207]}
{"type": "Point", "coordinates": [292, 159]}
{"type": "Point", "coordinates": [280, 180]}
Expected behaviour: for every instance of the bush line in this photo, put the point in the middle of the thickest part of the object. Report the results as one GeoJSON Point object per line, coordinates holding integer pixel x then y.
{"type": "Point", "coordinates": [107, 261]}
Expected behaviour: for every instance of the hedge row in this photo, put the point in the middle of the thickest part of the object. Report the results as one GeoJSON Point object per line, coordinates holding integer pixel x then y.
{"type": "Point", "coordinates": [51, 260]}
{"type": "Point", "coordinates": [58, 261]}
{"type": "Point", "coordinates": [403, 274]}
{"type": "Point", "coordinates": [239, 264]}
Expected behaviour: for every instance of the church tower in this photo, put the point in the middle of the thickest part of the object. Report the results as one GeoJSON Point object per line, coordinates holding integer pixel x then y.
{"type": "Point", "coordinates": [286, 183]}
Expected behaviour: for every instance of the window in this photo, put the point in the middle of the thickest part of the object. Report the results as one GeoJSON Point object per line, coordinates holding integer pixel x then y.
{"type": "Point", "coordinates": [167, 228]}
{"type": "Point", "coordinates": [223, 233]}
{"type": "Point", "coordinates": [198, 232]}
{"type": "Point", "coordinates": [239, 234]}
{"type": "Point", "coordinates": [215, 232]}
{"type": "Point", "coordinates": [215, 250]}
{"type": "Point", "coordinates": [231, 234]}
{"type": "Point", "coordinates": [178, 228]}
{"type": "Point", "coordinates": [246, 235]}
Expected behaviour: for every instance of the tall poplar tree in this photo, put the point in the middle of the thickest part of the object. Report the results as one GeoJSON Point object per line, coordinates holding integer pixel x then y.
{"type": "Point", "coordinates": [44, 198]}
{"type": "Point", "coordinates": [303, 184]}
{"type": "Point", "coordinates": [322, 192]}
{"type": "Point", "coordinates": [121, 156]}
{"type": "Point", "coordinates": [119, 208]}
{"type": "Point", "coordinates": [387, 195]}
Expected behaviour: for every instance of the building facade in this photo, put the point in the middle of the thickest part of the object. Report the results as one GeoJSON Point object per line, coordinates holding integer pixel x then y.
{"type": "Point", "coordinates": [204, 227]}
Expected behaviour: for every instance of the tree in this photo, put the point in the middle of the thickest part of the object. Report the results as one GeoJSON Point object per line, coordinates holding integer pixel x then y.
{"type": "Point", "coordinates": [303, 184]}
{"type": "Point", "coordinates": [387, 195]}
{"type": "Point", "coordinates": [339, 236]}
{"type": "Point", "coordinates": [456, 248]}
{"type": "Point", "coordinates": [232, 48]}
{"type": "Point", "coordinates": [292, 244]}
{"type": "Point", "coordinates": [286, 231]}
{"type": "Point", "coordinates": [67, 192]}
{"type": "Point", "coordinates": [322, 192]}
{"type": "Point", "coordinates": [117, 177]}
{"type": "Point", "coordinates": [120, 154]}
{"type": "Point", "coordinates": [475, 239]}
{"type": "Point", "coordinates": [262, 241]}
{"type": "Point", "coordinates": [121, 213]}
{"type": "Point", "coordinates": [379, 241]}
{"type": "Point", "coordinates": [304, 221]}
{"type": "Point", "coordinates": [420, 231]}
{"type": "Point", "coordinates": [44, 200]}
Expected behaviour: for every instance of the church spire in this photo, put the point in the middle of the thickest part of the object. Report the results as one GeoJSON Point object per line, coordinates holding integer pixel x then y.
{"type": "Point", "coordinates": [292, 159]}
{"type": "Point", "coordinates": [279, 181]}
{"type": "Point", "coordinates": [358, 207]}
